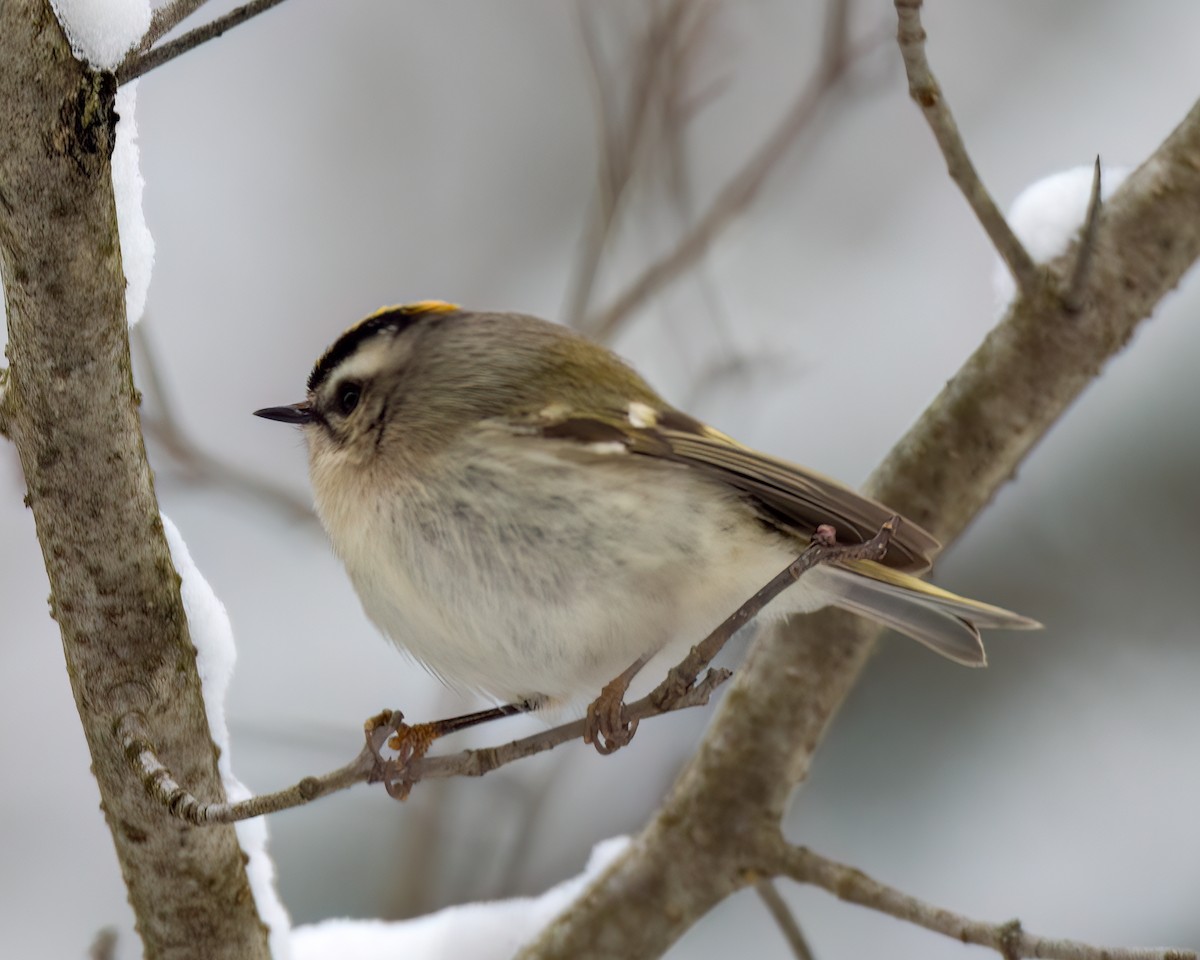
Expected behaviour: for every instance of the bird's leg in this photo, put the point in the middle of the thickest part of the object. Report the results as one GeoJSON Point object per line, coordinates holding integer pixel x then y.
{"type": "Point", "coordinates": [412, 741]}
{"type": "Point", "coordinates": [605, 728]}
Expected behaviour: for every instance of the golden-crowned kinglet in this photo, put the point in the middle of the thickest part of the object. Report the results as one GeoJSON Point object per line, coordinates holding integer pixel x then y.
{"type": "Point", "coordinates": [519, 510]}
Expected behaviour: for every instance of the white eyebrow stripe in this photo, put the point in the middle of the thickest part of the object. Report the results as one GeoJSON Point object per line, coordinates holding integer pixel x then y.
{"type": "Point", "coordinates": [368, 361]}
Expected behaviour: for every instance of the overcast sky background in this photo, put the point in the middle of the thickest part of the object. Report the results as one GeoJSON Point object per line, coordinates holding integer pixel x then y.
{"type": "Point", "coordinates": [327, 159]}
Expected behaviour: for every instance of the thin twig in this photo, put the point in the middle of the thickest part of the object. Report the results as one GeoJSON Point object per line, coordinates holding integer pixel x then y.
{"type": "Point", "coordinates": [678, 691]}
{"type": "Point", "coordinates": [620, 143]}
{"type": "Point", "coordinates": [133, 68]}
{"type": "Point", "coordinates": [924, 89]}
{"type": "Point", "coordinates": [733, 198]}
{"type": "Point", "coordinates": [1007, 939]}
{"type": "Point", "coordinates": [782, 915]}
{"type": "Point", "coordinates": [166, 18]}
{"type": "Point", "coordinates": [677, 114]}
{"type": "Point", "coordinates": [822, 550]}
{"type": "Point", "coordinates": [609, 178]}
{"type": "Point", "coordinates": [836, 50]}
{"type": "Point", "coordinates": [1073, 298]}
{"type": "Point", "coordinates": [4, 376]}
{"type": "Point", "coordinates": [159, 782]}
{"type": "Point", "coordinates": [104, 945]}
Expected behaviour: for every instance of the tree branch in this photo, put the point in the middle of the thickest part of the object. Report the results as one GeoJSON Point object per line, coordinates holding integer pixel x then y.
{"type": "Point", "coordinates": [72, 415]}
{"type": "Point", "coordinates": [1007, 939]}
{"type": "Point", "coordinates": [733, 198]}
{"type": "Point", "coordinates": [104, 945]}
{"type": "Point", "coordinates": [969, 442]}
{"type": "Point", "coordinates": [1073, 297]}
{"type": "Point", "coordinates": [621, 138]}
{"type": "Point", "coordinates": [4, 402]}
{"type": "Point", "coordinates": [137, 64]}
{"type": "Point", "coordinates": [681, 689]}
{"type": "Point", "coordinates": [782, 915]}
{"type": "Point", "coordinates": [1042, 354]}
{"type": "Point", "coordinates": [924, 89]}
{"type": "Point", "coordinates": [166, 18]}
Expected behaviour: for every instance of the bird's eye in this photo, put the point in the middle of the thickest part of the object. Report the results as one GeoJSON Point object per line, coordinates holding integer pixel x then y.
{"type": "Point", "coordinates": [348, 395]}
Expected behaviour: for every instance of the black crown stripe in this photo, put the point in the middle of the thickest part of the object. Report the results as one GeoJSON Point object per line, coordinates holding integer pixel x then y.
{"type": "Point", "coordinates": [396, 318]}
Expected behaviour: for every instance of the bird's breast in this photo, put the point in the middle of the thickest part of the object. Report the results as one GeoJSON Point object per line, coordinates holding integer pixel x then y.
{"type": "Point", "coordinates": [519, 574]}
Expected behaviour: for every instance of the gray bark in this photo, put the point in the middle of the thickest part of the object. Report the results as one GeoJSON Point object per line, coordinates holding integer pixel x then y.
{"type": "Point", "coordinates": [71, 409]}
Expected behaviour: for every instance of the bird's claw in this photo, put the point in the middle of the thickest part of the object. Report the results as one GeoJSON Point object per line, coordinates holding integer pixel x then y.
{"type": "Point", "coordinates": [606, 727]}
{"type": "Point", "coordinates": [409, 742]}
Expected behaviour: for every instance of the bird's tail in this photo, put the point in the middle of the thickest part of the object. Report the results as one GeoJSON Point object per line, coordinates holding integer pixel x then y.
{"type": "Point", "coordinates": [941, 620]}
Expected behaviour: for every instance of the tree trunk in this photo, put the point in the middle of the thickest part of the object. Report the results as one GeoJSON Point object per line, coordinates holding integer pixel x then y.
{"type": "Point", "coordinates": [71, 408]}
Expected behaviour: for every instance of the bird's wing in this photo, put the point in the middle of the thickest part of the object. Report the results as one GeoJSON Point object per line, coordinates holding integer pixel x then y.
{"type": "Point", "coordinates": [784, 494]}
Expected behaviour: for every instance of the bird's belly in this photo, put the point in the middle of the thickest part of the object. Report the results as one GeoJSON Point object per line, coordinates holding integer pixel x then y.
{"type": "Point", "coordinates": [551, 585]}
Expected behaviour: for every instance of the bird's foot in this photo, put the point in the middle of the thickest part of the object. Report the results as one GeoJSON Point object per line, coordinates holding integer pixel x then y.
{"type": "Point", "coordinates": [409, 743]}
{"type": "Point", "coordinates": [606, 727]}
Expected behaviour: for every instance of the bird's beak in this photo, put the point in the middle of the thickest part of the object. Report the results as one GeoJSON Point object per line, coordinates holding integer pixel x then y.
{"type": "Point", "coordinates": [293, 413]}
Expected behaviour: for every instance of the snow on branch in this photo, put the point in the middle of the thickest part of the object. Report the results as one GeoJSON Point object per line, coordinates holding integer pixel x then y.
{"type": "Point", "coordinates": [1050, 214]}
{"type": "Point", "coordinates": [216, 653]}
{"type": "Point", "coordinates": [101, 32]}
{"type": "Point", "coordinates": [492, 930]}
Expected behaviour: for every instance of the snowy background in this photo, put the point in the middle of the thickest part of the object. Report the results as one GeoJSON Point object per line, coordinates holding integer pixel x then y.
{"type": "Point", "coordinates": [326, 159]}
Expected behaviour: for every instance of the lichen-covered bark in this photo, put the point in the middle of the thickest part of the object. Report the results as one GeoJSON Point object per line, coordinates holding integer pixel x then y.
{"type": "Point", "coordinates": [719, 827]}
{"type": "Point", "coordinates": [71, 409]}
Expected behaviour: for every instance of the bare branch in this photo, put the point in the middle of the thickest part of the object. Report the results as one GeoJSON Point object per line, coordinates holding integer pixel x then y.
{"type": "Point", "coordinates": [104, 945]}
{"type": "Point", "coordinates": [924, 89]}
{"type": "Point", "coordinates": [1073, 298]}
{"type": "Point", "coordinates": [836, 50]}
{"type": "Point", "coordinates": [3, 401]}
{"type": "Point", "coordinates": [365, 768]}
{"type": "Point", "coordinates": [142, 63]}
{"type": "Point", "coordinates": [166, 18]}
{"type": "Point", "coordinates": [163, 787]}
{"type": "Point", "coordinates": [667, 38]}
{"type": "Point", "coordinates": [782, 915]}
{"type": "Point", "coordinates": [1007, 939]}
{"type": "Point", "coordinates": [114, 591]}
{"type": "Point", "coordinates": [822, 550]}
{"type": "Point", "coordinates": [476, 763]}
{"type": "Point", "coordinates": [1041, 356]}
{"type": "Point", "coordinates": [733, 198]}
{"type": "Point", "coordinates": [967, 444]}
{"type": "Point", "coordinates": [678, 691]}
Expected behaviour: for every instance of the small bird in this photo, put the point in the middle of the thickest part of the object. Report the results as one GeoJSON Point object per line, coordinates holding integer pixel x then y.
{"type": "Point", "coordinates": [523, 514]}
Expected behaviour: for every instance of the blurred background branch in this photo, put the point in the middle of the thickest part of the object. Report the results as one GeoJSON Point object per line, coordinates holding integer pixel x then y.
{"type": "Point", "coordinates": [781, 913]}
{"type": "Point", "coordinates": [735, 196]}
